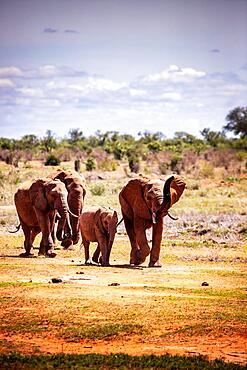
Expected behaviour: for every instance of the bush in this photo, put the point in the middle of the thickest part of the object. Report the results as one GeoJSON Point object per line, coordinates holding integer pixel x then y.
{"type": "Point", "coordinates": [134, 164]}
{"type": "Point", "coordinates": [52, 160]}
{"type": "Point", "coordinates": [97, 189]}
{"type": "Point", "coordinates": [90, 164]}
{"type": "Point", "coordinates": [108, 165]}
{"type": "Point", "coordinates": [206, 170]}
{"type": "Point", "coordinates": [163, 167]}
{"type": "Point", "coordinates": [175, 163]}
{"type": "Point", "coordinates": [77, 165]}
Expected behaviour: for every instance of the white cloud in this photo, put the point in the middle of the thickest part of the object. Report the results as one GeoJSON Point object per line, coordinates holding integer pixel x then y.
{"type": "Point", "coordinates": [137, 92]}
{"type": "Point", "coordinates": [31, 92]}
{"type": "Point", "coordinates": [11, 72]}
{"type": "Point", "coordinates": [6, 83]}
{"type": "Point", "coordinates": [48, 71]}
{"type": "Point", "coordinates": [102, 84]}
{"type": "Point", "coordinates": [174, 74]}
{"type": "Point", "coordinates": [176, 99]}
{"type": "Point", "coordinates": [173, 96]}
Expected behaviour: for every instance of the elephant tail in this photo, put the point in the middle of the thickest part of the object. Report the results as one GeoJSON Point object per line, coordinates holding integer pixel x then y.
{"type": "Point", "coordinates": [15, 231]}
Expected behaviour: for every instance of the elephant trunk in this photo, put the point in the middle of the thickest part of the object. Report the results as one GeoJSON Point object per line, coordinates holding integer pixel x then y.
{"type": "Point", "coordinates": [166, 201]}
{"type": "Point", "coordinates": [61, 206]}
{"type": "Point", "coordinates": [112, 232]}
{"type": "Point", "coordinates": [76, 208]}
{"type": "Point", "coordinates": [167, 194]}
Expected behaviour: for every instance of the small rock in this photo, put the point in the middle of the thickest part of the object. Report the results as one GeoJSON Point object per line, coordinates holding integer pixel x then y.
{"type": "Point", "coordinates": [80, 272]}
{"type": "Point", "coordinates": [205, 283]}
{"type": "Point", "coordinates": [56, 280]}
{"type": "Point", "coordinates": [114, 284]}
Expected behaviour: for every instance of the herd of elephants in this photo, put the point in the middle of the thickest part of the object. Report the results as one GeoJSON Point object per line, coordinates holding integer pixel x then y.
{"type": "Point", "coordinates": [59, 199]}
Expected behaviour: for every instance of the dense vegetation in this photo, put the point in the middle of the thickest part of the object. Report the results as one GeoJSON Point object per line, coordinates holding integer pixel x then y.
{"type": "Point", "coordinates": [105, 150]}
{"type": "Point", "coordinates": [119, 361]}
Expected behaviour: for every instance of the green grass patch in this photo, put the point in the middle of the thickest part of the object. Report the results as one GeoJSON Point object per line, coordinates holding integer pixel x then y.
{"type": "Point", "coordinates": [116, 361]}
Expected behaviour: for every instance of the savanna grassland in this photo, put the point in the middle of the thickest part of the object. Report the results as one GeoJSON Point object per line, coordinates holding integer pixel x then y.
{"type": "Point", "coordinates": [194, 305]}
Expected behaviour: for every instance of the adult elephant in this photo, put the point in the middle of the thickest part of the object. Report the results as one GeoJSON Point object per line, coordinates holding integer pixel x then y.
{"type": "Point", "coordinates": [37, 204]}
{"type": "Point", "coordinates": [76, 187]}
{"type": "Point", "coordinates": [99, 226]}
{"type": "Point", "coordinates": [144, 203]}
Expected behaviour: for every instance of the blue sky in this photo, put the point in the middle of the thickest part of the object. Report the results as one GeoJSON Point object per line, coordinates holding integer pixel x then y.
{"type": "Point", "coordinates": [122, 65]}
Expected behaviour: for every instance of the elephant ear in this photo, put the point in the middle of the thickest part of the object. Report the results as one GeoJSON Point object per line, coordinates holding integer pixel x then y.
{"type": "Point", "coordinates": [176, 189]}
{"type": "Point", "coordinates": [98, 220]}
{"type": "Point", "coordinates": [37, 195]}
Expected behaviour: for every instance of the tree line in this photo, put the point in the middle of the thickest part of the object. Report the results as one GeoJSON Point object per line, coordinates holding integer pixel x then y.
{"type": "Point", "coordinates": [122, 146]}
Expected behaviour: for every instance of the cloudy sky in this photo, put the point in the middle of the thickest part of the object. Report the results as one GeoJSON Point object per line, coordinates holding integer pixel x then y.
{"type": "Point", "coordinates": [122, 65]}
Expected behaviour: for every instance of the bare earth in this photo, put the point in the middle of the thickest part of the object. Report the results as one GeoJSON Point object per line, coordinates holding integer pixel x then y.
{"type": "Point", "coordinates": [123, 286]}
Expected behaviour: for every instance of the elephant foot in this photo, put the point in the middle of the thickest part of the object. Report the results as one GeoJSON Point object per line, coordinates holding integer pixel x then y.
{"type": "Point", "coordinates": [50, 254]}
{"type": "Point", "coordinates": [96, 259]}
{"type": "Point", "coordinates": [155, 264]}
{"type": "Point", "coordinates": [88, 262]}
{"type": "Point", "coordinates": [27, 255]}
{"type": "Point", "coordinates": [139, 259]}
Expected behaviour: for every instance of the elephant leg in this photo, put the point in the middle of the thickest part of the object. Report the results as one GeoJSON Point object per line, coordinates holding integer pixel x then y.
{"type": "Point", "coordinates": [28, 241]}
{"type": "Point", "coordinates": [134, 253]}
{"type": "Point", "coordinates": [49, 247]}
{"type": "Point", "coordinates": [46, 244]}
{"type": "Point", "coordinates": [156, 243]}
{"type": "Point", "coordinates": [46, 250]}
{"type": "Point", "coordinates": [103, 246]}
{"type": "Point", "coordinates": [141, 239]}
{"type": "Point", "coordinates": [96, 254]}
{"type": "Point", "coordinates": [86, 244]}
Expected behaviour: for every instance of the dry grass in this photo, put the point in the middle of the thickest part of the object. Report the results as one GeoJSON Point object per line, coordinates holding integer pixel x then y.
{"type": "Point", "coordinates": [142, 309]}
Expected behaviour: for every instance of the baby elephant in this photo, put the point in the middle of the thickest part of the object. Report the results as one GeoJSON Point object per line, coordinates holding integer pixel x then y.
{"type": "Point", "coordinates": [99, 226]}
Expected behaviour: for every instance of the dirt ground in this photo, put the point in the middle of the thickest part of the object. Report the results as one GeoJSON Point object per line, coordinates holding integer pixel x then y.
{"type": "Point", "coordinates": [120, 285]}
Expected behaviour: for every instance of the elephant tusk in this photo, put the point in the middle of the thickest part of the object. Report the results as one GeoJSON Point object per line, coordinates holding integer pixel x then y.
{"type": "Point", "coordinates": [153, 217]}
{"type": "Point", "coordinates": [173, 218]}
{"type": "Point", "coordinates": [15, 231]}
{"type": "Point", "coordinates": [72, 214]}
{"type": "Point", "coordinates": [119, 222]}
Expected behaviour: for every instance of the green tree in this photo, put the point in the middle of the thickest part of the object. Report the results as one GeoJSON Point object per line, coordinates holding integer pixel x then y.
{"type": "Point", "coordinates": [75, 135]}
{"type": "Point", "coordinates": [29, 142]}
{"type": "Point", "coordinates": [213, 138]}
{"type": "Point", "coordinates": [6, 143]}
{"type": "Point", "coordinates": [237, 121]}
{"type": "Point", "coordinates": [49, 142]}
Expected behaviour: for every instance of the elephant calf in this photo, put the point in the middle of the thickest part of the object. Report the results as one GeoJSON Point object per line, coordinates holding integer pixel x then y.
{"type": "Point", "coordinates": [99, 226]}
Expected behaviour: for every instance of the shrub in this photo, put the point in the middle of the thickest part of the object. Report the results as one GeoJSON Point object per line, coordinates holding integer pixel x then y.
{"type": "Point", "coordinates": [163, 167]}
{"type": "Point", "coordinates": [108, 165]}
{"type": "Point", "coordinates": [175, 163]}
{"type": "Point", "coordinates": [206, 170]}
{"type": "Point", "coordinates": [52, 160]}
{"type": "Point", "coordinates": [97, 189]}
{"type": "Point", "coordinates": [134, 164]}
{"type": "Point", "coordinates": [90, 164]}
{"type": "Point", "coordinates": [77, 165]}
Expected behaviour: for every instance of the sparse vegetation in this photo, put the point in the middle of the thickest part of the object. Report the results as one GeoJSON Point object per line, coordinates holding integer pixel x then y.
{"type": "Point", "coordinates": [132, 310]}
{"type": "Point", "coordinates": [183, 153]}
